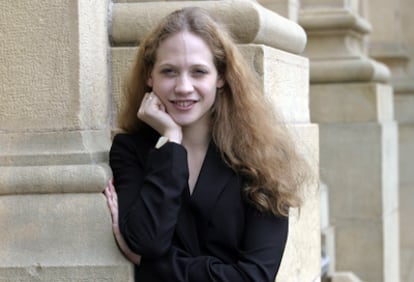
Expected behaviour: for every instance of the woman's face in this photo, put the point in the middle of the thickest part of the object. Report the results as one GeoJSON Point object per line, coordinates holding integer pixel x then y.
{"type": "Point", "coordinates": [185, 78]}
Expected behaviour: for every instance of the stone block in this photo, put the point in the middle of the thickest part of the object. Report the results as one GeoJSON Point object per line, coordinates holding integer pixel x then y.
{"type": "Point", "coordinates": [302, 258]}
{"type": "Point", "coordinates": [53, 65]}
{"type": "Point", "coordinates": [407, 264]}
{"type": "Point", "coordinates": [359, 165]}
{"type": "Point", "coordinates": [404, 108]}
{"type": "Point", "coordinates": [351, 102]}
{"type": "Point", "coordinates": [247, 21]}
{"type": "Point", "coordinates": [54, 162]}
{"type": "Point", "coordinates": [121, 60]}
{"type": "Point", "coordinates": [285, 80]}
{"type": "Point", "coordinates": [344, 277]}
{"type": "Point", "coordinates": [359, 247]}
{"type": "Point", "coordinates": [406, 154]}
{"type": "Point", "coordinates": [59, 237]}
{"type": "Point", "coordinates": [406, 216]}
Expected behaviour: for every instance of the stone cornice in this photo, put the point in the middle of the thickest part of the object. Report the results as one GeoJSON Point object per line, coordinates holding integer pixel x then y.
{"type": "Point", "coordinates": [249, 22]}
{"type": "Point", "coordinates": [54, 162]}
{"type": "Point", "coordinates": [348, 70]}
{"type": "Point", "coordinates": [87, 178]}
{"type": "Point", "coordinates": [332, 19]}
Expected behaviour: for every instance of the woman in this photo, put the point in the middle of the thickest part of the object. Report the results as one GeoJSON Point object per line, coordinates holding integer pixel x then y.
{"type": "Point", "coordinates": [204, 175]}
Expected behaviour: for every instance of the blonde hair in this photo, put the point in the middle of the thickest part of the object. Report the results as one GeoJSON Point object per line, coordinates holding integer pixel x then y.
{"type": "Point", "coordinates": [244, 128]}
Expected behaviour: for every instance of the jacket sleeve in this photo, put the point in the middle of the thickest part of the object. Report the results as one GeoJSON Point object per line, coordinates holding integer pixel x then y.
{"type": "Point", "coordinates": [259, 256]}
{"type": "Point", "coordinates": [149, 187]}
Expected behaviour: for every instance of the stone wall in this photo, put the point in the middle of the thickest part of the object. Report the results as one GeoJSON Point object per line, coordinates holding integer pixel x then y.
{"type": "Point", "coordinates": [54, 111]}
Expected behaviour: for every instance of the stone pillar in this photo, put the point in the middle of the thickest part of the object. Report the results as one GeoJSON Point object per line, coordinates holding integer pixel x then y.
{"type": "Point", "coordinates": [54, 138]}
{"type": "Point", "coordinates": [287, 8]}
{"type": "Point", "coordinates": [404, 103]}
{"type": "Point", "coordinates": [391, 42]}
{"type": "Point", "coordinates": [352, 101]}
{"type": "Point", "coordinates": [271, 44]}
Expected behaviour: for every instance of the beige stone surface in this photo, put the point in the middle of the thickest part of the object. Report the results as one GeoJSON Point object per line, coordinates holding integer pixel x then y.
{"type": "Point", "coordinates": [57, 147]}
{"type": "Point", "coordinates": [406, 154]}
{"type": "Point", "coordinates": [336, 46]}
{"type": "Point", "coordinates": [344, 277]}
{"type": "Point", "coordinates": [49, 162]}
{"type": "Point", "coordinates": [359, 165]}
{"type": "Point", "coordinates": [54, 179]}
{"type": "Point", "coordinates": [404, 108]}
{"type": "Point", "coordinates": [302, 258]}
{"type": "Point", "coordinates": [285, 80]}
{"type": "Point", "coordinates": [407, 27]}
{"type": "Point", "coordinates": [333, 32]}
{"type": "Point", "coordinates": [62, 237]}
{"type": "Point", "coordinates": [54, 136]}
{"type": "Point", "coordinates": [351, 102]}
{"type": "Point", "coordinates": [287, 8]}
{"type": "Point", "coordinates": [246, 20]}
{"type": "Point", "coordinates": [53, 67]}
{"type": "Point", "coordinates": [348, 4]}
{"type": "Point", "coordinates": [121, 60]}
{"type": "Point", "coordinates": [407, 264]}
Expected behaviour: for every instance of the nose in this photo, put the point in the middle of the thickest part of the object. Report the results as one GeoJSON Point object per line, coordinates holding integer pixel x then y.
{"type": "Point", "coordinates": [183, 84]}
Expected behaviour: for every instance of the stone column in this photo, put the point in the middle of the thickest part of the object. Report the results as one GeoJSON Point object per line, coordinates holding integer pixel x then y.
{"type": "Point", "coordinates": [287, 8]}
{"type": "Point", "coordinates": [392, 42]}
{"type": "Point", "coordinates": [352, 101]}
{"type": "Point", "coordinates": [404, 103]}
{"type": "Point", "coordinates": [271, 44]}
{"type": "Point", "coordinates": [54, 138]}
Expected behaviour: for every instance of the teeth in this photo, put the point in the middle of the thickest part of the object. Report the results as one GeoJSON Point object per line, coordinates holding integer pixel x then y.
{"type": "Point", "coordinates": [183, 103]}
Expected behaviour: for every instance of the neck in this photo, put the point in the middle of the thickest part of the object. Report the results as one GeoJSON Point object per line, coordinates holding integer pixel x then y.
{"type": "Point", "coordinates": [196, 137]}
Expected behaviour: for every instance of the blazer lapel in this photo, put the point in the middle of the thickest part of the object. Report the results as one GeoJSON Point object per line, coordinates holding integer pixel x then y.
{"type": "Point", "coordinates": [186, 228]}
{"type": "Point", "coordinates": [214, 175]}
{"type": "Point", "coordinates": [212, 180]}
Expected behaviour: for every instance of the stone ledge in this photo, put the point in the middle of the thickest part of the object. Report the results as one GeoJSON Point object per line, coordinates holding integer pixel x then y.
{"type": "Point", "coordinates": [332, 19]}
{"type": "Point", "coordinates": [64, 237]}
{"type": "Point", "coordinates": [359, 69]}
{"type": "Point", "coordinates": [54, 179]}
{"type": "Point", "coordinates": [54, 148]}
{"type": "Point", "coordinates": [247, 21]}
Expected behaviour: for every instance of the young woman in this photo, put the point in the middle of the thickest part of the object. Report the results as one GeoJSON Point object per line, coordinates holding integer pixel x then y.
{"type": "Point", "coordinates": [204, 174]}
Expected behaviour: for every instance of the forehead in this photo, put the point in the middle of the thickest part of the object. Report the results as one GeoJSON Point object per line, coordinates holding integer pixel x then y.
{"type": "Point", "coordinates": [184, 46]}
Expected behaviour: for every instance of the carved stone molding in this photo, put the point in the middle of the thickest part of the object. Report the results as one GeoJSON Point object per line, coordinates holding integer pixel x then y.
{"type": "Point", "coordinates": [248, 21]}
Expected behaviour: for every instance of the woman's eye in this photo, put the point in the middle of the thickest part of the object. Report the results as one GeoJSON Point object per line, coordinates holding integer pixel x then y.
{"type": "Point", "coordinates": [168, 71]}
{"type": "Point", "coordinates": [200, 71]}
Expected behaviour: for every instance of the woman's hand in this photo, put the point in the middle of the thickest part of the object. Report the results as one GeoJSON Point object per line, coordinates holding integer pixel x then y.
{"type": "Point", "coordinates": [153, 112]}
{"type": "Point", "coordinates": [112, 201]}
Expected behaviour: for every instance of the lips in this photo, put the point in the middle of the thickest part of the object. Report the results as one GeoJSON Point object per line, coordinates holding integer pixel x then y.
{"type": "Point", "coordinates": [184, 104]}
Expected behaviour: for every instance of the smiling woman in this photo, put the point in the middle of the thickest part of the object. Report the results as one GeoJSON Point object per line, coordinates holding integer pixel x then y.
{"type": "Point", "coordinates": [204, 175]}
{"type": "Point", "coordinates": [184, 79]}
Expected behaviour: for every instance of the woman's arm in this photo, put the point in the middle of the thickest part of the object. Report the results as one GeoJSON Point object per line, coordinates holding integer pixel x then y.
{"type": "Point", "coordinates": [112, 201]}
{"type": "Point", "coordinates": [149, 183]}
{"type": "Point", "coordinates": [259, 256]}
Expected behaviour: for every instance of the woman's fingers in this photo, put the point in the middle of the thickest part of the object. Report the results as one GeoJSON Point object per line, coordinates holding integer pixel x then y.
{"type": "Point", "coordinates": [112, 202]}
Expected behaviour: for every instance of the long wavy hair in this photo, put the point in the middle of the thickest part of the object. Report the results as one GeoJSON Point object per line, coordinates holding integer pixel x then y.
{"type": "Point", "coordinates": [245, 128]}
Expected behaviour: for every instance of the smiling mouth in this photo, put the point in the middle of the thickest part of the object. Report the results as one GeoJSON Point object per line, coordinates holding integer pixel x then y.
{"type": "Point", "coordinates": [184, 105]}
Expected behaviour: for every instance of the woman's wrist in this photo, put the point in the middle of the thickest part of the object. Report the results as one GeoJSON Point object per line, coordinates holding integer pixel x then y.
{"type": "Point", "coordinates": [175, 136]}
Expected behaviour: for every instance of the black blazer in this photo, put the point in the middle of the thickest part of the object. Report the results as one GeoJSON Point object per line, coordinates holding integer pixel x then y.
{"type": "Point", "coordinates": [212, 235]}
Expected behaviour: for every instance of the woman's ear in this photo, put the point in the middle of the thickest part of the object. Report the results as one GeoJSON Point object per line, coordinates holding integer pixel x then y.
{"type": "Point", "coordinates": [149, 81]}
{"type": "Point", "coordinates": [220, 82]}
